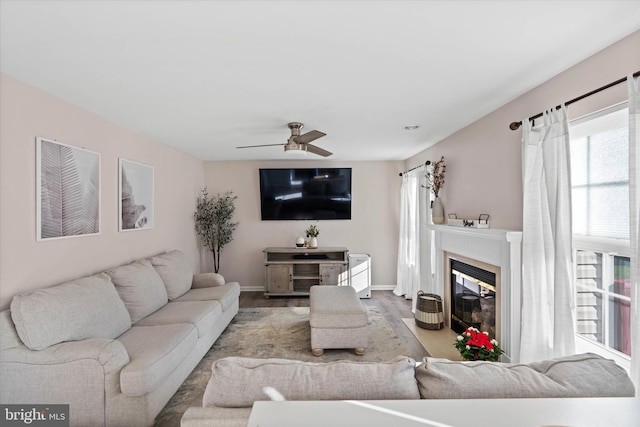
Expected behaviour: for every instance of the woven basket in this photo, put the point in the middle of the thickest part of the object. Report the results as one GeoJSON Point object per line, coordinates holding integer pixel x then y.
{"type": "Point", "coordinates": [429, 311]}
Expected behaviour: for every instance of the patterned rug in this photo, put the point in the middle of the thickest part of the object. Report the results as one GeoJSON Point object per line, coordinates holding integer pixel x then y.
{"type": "Point", "coordinates": [274, 333]}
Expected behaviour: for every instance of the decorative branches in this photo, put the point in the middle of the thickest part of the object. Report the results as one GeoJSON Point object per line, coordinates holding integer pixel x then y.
{"type": "Point", "coordinates": [435, 176]}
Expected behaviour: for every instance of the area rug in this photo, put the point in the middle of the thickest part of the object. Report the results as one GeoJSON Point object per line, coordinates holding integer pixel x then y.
{"type": "Point", "coordinates": [438, 343]}
{"type": "Point", "coordinates": [274, 333]}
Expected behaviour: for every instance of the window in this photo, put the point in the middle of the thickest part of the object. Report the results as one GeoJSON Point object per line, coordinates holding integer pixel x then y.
{"type": "Point", "coordinates": [603, 299]}
{"type": "Point", "coordinates": [600, 202]}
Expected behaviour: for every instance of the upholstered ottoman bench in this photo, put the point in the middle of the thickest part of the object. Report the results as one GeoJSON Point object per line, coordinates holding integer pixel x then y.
{"type": "Point", "coordinates": [338, 319]}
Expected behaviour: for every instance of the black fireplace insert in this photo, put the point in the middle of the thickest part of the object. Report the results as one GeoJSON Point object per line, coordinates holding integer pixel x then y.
{"type": "Point", "coordinates": [473, 301]}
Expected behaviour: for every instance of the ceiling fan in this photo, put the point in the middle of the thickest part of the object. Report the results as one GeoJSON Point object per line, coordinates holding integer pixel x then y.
{"type": "Point", "coordinates": [299, 143]}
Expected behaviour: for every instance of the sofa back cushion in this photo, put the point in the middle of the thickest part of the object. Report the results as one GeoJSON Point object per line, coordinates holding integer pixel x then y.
{"type": "Point", "coordinates": [85, 308]}
{"type": "Point", "coordinates": [175, 271]}
{"type": "Point", "coordinates": [140, 287]}
{"type": "Point", "coordinates": [581, 375]}
{"type": "Point", "coordinates": [237, 382]}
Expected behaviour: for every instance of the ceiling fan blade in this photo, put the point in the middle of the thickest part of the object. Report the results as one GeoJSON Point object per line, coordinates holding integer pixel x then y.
{"type": "Point", "coordinates": [317, 150]}
{"type": "Point", "coordinates": [261, 145]}
{"type": "Point", "coordinates": [309, 136]}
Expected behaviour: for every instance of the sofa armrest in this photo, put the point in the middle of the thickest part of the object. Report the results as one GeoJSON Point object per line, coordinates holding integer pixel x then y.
{"type": "Point", "coordinates": [215, 417]}
{"type": "Point", "coordinates": [109, 355]}
{"type": "Point", "coordinates": [207, 280]}
{"type": "Point", "coordinates": [79, 373]}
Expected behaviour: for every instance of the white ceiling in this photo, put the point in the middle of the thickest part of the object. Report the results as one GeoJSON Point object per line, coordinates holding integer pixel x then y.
{"type": "Point", "coordinates": [207, 76]}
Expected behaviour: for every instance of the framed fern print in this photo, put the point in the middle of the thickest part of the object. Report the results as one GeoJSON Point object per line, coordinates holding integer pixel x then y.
{"type": "Point", "coordinates": [136, 196]}
{"type": "Point", "coordinates": [68, 191]}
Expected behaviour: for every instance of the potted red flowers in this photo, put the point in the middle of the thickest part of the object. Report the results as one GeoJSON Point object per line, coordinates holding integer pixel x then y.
{"type": "Point", "coordinates": [476, 345]}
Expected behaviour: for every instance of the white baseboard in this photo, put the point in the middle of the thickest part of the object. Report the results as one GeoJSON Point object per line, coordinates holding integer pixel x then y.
{"type": "Point", "coordinates": [251, 288]}
{"type": "Point", "coordinates": [383, 287]}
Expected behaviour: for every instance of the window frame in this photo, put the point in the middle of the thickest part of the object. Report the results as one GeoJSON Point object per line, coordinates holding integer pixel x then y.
{"type": "Point", "coordinates": [607, 247]}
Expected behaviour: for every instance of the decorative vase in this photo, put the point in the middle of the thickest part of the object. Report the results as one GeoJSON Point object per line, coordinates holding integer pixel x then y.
{"type": "Point", "coordinates": [313, 243]}
{"type": "Point", "coordinates": [437, 211]}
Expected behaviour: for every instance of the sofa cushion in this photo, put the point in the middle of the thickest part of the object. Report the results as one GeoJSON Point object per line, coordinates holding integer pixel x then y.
{"type": "Point", "coordinates": [238, 382]}
{"type": "Point", "coordinates": [227, 294]}
{"type": "Point", "coordinates": [154, 352]}
{"type": "Point", "coordinates": [582, 375]}
{"type": "Point", "coordinates": [175, 271]}
{"type": "Point", "coordinates": [140, 287]}
{"type": "Point", "coordinates": [84, 308]}
{"type": "Point", "coordinates": [203, 314]}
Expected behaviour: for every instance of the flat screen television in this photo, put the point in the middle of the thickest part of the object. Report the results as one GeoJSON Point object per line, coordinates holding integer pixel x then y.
{"type": "Point", "coordinates": [313, 193]}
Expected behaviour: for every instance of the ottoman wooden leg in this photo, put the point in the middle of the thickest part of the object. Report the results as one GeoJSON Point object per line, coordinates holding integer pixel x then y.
{"type": "Point", "coordinates": [317, 351]}
{"type": "Point", "coordinates": [360, 351]}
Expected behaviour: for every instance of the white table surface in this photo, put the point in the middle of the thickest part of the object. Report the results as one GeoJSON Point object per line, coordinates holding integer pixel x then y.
{"type": "Point", "coordinates": [584, 412]}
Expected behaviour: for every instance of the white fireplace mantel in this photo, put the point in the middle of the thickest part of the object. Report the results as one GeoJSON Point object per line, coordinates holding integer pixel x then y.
{"type": "Point", "coordinates": [500, 248]}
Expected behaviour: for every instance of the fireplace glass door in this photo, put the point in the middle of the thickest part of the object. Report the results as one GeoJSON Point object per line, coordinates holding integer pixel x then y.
{"type": "Point", "coordinates": [474, 298]}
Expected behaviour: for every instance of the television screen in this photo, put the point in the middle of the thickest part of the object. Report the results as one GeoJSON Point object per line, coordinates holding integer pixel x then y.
{"type": "Point", "coordinates": [318, 193]}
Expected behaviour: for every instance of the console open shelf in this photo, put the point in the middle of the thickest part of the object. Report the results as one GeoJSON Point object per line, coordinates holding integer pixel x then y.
{"type": "Point", "coordinates": [292, 271]}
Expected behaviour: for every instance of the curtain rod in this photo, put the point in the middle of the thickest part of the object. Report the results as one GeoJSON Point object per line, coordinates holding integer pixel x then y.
{"type": "Point", "coordinates": [516, 125]}
{"type": "Point", "coordinates": [427, 163]}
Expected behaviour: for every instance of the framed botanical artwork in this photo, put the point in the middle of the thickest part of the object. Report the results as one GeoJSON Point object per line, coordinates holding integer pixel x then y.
{"type": "Point", "coordinates": [135, 196]}
{"type": "Point", "coordinates": [68, 191]}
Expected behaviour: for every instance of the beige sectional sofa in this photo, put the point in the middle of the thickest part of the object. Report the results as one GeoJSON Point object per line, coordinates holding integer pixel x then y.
{"type": "Point", "coordinates": [116, 345]}
{"type": "Point", "coordinates": [238, 382]}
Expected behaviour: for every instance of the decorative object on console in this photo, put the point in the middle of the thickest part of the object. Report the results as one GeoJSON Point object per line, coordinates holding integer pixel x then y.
{"type": "Point", "coordinates": [213, 222]}
{"type": "Point", "coordinates": [300, 242]}
{"type": "Point", "coordinates": [313, 243]}
{"type": "Point", "coordinates": [435, 179]}
{"type": "Point", "coordinates": [476, 345]}
{"type": "Point", "coordinates": [136, 196]}
{"type": "Point", "coordinates": [312, 233]}
{"type": "Point", "coordinates": [74, 172]}
{"type": "Point", "coordinates": [481, 222]}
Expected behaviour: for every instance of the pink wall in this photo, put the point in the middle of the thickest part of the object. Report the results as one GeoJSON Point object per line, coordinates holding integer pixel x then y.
{"type": "Point", "coordinates": [484, 159]}
{"type": "Point", "coordinates": [25, 113]}
{"type": "Point", "coordinates": [483, 176]}
{"type": "Point", "coordinates": [373, 228]}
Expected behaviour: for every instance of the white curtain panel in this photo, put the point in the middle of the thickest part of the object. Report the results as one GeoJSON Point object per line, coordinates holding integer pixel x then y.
{"type": "Point", "coordinates": [548, 297]}
{"type": "Point", "coordinates": [413, 254]}
{"type": "Point", "coordinates": [634, 223]}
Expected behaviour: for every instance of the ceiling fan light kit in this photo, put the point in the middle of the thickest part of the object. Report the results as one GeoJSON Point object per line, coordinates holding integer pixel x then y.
{"type": "Point", "coordinates": [295, 149]}
{"type": "Point", "coordinates": [299, 144]}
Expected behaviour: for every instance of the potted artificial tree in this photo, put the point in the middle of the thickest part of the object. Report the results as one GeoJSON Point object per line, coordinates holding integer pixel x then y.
{"type": "Point", "coordinates": [213, 222]}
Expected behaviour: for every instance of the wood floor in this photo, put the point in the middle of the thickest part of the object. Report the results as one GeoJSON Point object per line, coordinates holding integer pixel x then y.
{"type": "Point", "coordinates": [392, 307]}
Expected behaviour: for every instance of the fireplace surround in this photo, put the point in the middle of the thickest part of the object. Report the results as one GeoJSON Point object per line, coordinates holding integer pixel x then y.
{"type": "Point", "coordinates": [497, 252]}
